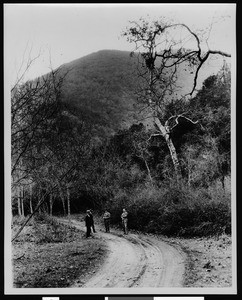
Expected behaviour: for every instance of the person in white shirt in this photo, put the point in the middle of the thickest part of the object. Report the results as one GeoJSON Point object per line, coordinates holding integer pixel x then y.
{"type": "Point", "coordinates": [124, 217]}
{"type": "Point", "coordinates": [106, 218]}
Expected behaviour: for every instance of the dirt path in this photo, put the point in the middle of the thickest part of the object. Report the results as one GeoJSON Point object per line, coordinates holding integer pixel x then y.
{"type": "Point", "coordinates": [136, 261]}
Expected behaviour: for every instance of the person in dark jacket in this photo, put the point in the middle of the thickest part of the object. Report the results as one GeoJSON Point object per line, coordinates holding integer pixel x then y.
{"type": "Point", "coordinates": [92, 222]}
{"type": "Point", "coordinates": [88, 223]}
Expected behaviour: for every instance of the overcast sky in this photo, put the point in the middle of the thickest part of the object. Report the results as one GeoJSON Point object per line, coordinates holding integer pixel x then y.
{"type": "Point", "coordinates": [70, 31]}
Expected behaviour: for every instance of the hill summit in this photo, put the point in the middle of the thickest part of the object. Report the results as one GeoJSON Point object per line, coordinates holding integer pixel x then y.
{"type": "Point", "coordinates": [100, 88]}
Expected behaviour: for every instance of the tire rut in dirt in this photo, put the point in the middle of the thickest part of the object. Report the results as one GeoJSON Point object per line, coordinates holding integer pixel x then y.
{"type": "Point", "coordinates": [153, 271]}
{"type": "Point", "coordinates": [137, 261]}
{"type": "Point", "coordinates": [125, 264]}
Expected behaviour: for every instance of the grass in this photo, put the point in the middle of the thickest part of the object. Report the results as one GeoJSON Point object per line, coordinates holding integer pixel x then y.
{"type": "Point", "coordinates": [43, 262]}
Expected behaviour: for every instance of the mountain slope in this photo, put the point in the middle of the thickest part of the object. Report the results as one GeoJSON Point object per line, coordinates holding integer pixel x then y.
{"type": "Point", "coordinates": [100, 88]}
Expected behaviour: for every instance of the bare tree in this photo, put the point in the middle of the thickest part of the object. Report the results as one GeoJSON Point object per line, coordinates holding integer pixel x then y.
{"type": "Point", "coordinates": [160, 48]}
{"type": "Point", "coordinates": [33, 108]}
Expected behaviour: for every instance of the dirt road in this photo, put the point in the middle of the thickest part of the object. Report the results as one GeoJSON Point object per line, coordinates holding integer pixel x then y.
{"type": "Point", "coordinates": [136, 261]}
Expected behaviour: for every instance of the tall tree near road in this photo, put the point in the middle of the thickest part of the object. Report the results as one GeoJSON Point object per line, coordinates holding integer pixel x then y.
{"type": "Point", "coordinates": [34, 105]}
{"type": "Point", "coordinates": [162, 56]}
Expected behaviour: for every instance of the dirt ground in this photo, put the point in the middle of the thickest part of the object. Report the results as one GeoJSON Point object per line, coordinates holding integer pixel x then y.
{"type": "Point", "coordinates": [117, 260]}
{"type": "Point", "coordinates": [136, 261]}
{"type": "Point", "coordinates": [39, 264]}
{"type": "Point", "coordinates": [209, 262]}
{"type": "Point", "coordinates": [157, 261]}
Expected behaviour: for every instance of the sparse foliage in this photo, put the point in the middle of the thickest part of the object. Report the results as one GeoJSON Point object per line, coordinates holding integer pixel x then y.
{"type": "Point", "coordinates": [162, 54]}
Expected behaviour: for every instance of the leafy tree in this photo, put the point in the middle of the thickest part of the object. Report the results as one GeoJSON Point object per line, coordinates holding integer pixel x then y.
{"type": "Point", "coordinates": [211, 106]}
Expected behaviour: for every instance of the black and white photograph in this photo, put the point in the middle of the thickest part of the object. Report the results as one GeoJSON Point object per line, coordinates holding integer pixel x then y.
{"type": "Point", "coordinates": [119, 149]}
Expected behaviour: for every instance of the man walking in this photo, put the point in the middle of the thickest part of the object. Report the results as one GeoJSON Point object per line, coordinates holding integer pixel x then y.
{"type": "Point", "coordinates": [124, 217]}
{"type": "Point", "coordinates": [106, 218]}
{"type": "Point", "coordinates": [88, 223]}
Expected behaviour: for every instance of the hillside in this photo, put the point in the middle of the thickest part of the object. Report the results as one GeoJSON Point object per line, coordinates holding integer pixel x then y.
{"type": "Point", "coordinates": [100, 88]}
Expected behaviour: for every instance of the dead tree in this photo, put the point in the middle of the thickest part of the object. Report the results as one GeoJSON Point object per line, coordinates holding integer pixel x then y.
{"type": "Point", "coordinates": [160, 57]}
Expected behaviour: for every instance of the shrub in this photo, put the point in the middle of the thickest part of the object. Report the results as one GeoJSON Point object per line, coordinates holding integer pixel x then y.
{"type": "Point", "coordinates": [175, 210]}
{"type": "Point", "coordinates": [48, 230]}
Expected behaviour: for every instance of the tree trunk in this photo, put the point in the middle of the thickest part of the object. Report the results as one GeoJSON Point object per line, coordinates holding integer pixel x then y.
{"type": "Point", "coordinates": [171, 147]}
{"type": "Point", "coordinates": [68, 202]}
{"type": "Point", "coordinates": [46, 208]}
{"type": "Point", "coordinates": [19, 201]}
{"type": "Point", "coordinates": [189, 176]}
{"type": "Point", "coordinates": [51, 204]}
{"type": "Point", "coordinates": [22, 200]}
{"type": "Point", "coordinates": [148, 170]}
{"type": "Point", "coordinates": [222, 179]}
{"type": "Point", "coordinates": [39, 199]}
{"type": "Point", "coordinates": [62, 198]}
{"type": "Point", "coordinates": [174, 156]}
{"type": "Point", "coordinates": [30, 198]}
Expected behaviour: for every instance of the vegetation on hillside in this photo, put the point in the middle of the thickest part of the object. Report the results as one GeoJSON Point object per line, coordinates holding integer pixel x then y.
{"type": "Point", "coordinates": [100, 89]}
{"type": "Point", "coordinates": [72, 152]}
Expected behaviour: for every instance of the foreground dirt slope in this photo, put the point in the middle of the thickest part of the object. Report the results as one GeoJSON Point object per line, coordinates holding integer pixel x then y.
{"type": "Point", "coordinates": [107, 260]}
{"type": "Point", "coordinates": [209, 262]}
{"type": "Point", "coordinates": [136, 261]}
